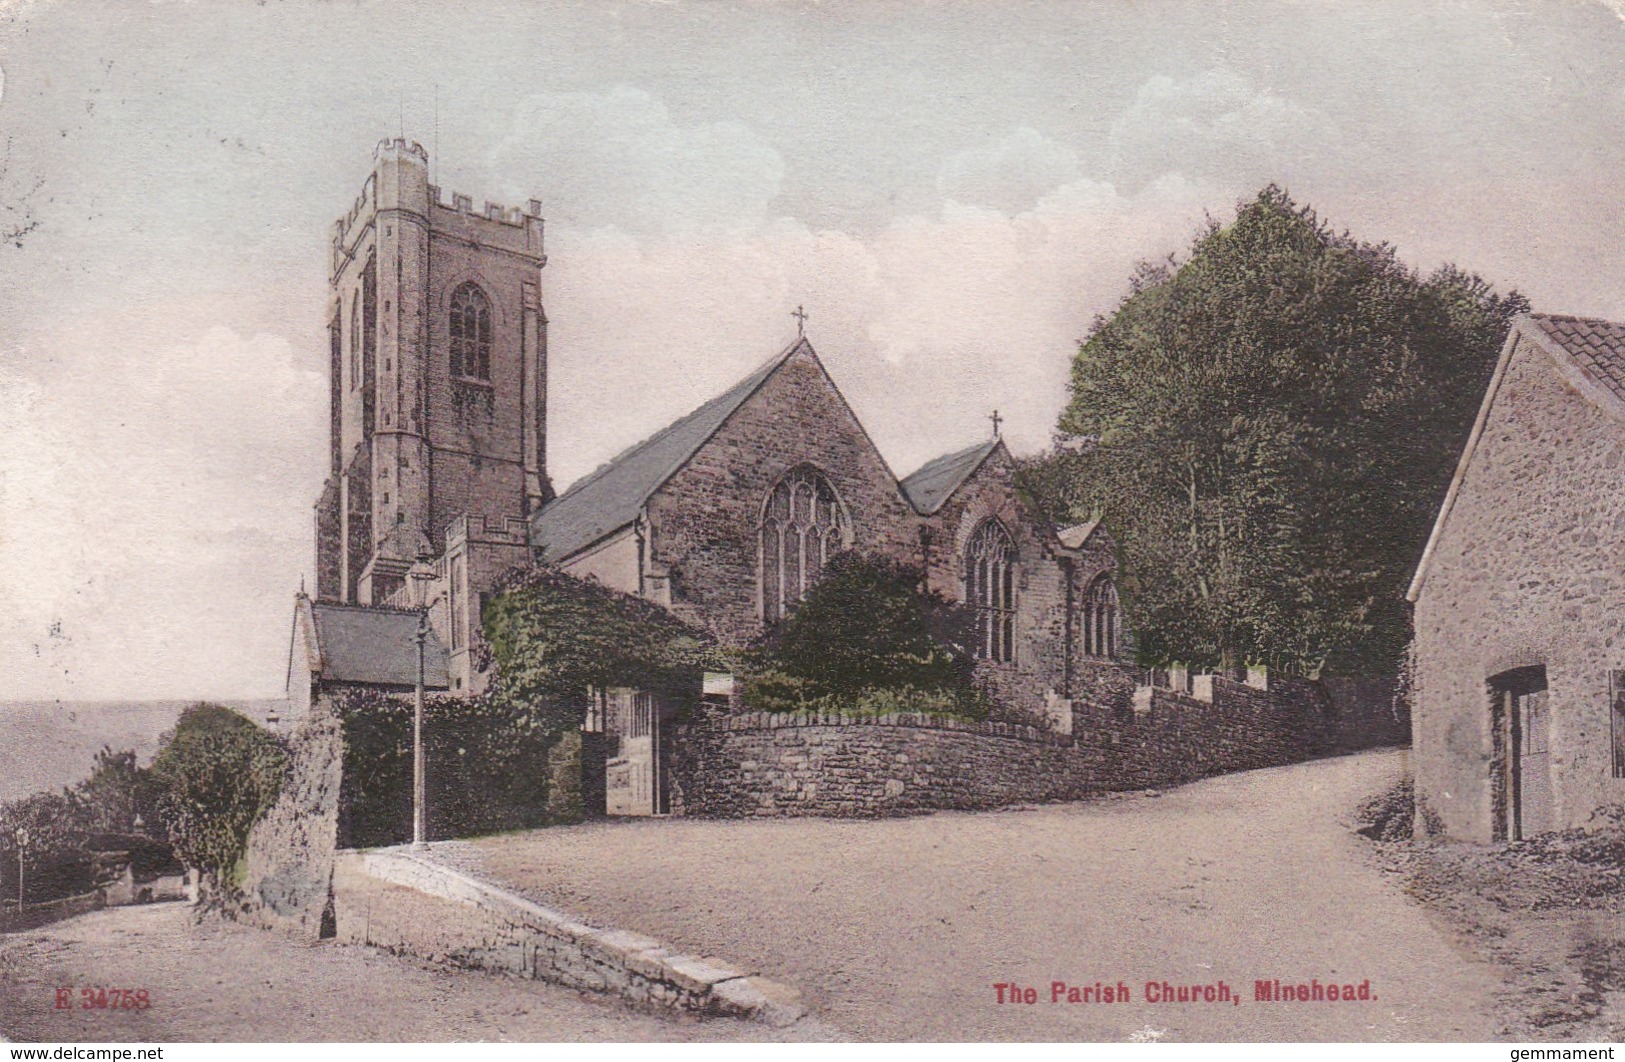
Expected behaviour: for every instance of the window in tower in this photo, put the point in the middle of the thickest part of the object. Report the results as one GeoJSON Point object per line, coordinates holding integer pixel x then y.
{"type": "Point", "coordinates": [470, 333]}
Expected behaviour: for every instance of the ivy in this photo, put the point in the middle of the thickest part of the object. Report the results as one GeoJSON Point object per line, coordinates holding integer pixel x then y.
{"type": "Point", "coordinates": [553, 637]}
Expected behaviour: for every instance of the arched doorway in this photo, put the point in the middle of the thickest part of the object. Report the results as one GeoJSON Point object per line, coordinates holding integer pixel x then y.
{"type": "Point", "coordinates": [1520, 768]}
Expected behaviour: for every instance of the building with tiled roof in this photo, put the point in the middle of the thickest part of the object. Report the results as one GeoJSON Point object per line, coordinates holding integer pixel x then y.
{"type": "Point", "coordinates": [1519, 598]}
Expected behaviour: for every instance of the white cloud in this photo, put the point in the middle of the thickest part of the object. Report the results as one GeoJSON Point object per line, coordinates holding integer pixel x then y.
{"type": "Point", "coordinates": [619, 159]}
{"type": "Point", "coordinates": [1215, 125]}
{"type": "Point", "coordinates": [928, 324]}
{"type": "Point", "coordinates": [158, 501]}
{"type": "Point", "coordinates": [1011, 175]}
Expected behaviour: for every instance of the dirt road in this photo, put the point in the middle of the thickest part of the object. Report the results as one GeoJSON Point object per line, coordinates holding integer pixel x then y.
{"type": "Point", "coordinates": [214, 982]}
{"type": "Point", "coordinates": [901, 928]}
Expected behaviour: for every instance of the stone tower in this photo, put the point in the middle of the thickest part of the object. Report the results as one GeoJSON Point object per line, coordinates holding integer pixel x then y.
{"type": "Point", "coordinates": [438, 363]}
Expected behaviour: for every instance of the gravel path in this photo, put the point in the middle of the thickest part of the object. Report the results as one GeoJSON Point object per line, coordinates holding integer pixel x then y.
{"type": "Point", "coordinates": [900, 928]}
{"type": "Point", "coordinates": [222, 982]}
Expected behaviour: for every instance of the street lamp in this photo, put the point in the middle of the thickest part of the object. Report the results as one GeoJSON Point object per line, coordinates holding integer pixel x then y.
{"type": "Point", "coordinates": [22, 843]}
{"type": "Point", "coordinates": [421, 573]}
{"type": "Point", "coordinates": [417, 736]}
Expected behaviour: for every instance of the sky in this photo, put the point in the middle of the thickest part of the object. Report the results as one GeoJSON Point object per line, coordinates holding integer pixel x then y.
{"type": "Point", "coordinates": [953, 190]}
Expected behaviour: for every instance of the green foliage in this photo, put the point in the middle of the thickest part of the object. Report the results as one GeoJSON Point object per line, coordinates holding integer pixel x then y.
{"type": "Point", "coordinates": [867, 637]}
{"type": "Point", "coordinates": [1270, 427]}
{"type": "Point", "coordinates": [553, 637]}
{"type": "Point", "coordinates": [485, 760]}
{"type": "Point", "coordinates": [212, 780]}
{"type": "Point", "coordinates": [116, 795]}
{"type": "Point", "coordinates": [493, 762]}
{"type": "Point", "coordinates": [64, 827]}
{"type": "Point", "coordinates": [55, 861]}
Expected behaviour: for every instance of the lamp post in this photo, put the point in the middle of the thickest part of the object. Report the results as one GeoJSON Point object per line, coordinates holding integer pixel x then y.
{"type": "Point", "coordinates": [417, 736]}
{"type": "Point", "coordinates": [22, 843]}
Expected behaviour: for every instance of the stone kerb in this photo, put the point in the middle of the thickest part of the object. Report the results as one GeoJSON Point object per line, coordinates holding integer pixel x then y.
{"type": "Point", "coordinates": [395, 899]}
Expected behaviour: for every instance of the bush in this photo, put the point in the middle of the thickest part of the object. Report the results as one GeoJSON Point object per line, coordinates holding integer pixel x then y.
{"type": "Point", "coordinates": [65, 827]}
{"type": "Point", "coordinates": [485, 761]}
{"type": "Point", "coordinates": [213, 778]}
{"type": "Point", "coordinates": [553, 637]}
{"type": "Point", "coordinates": [774, 691]}
{"type": "Point", "coordinates": [868, 638]}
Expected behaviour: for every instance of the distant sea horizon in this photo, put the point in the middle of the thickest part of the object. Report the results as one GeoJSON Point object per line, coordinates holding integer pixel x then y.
{"type": "Point", "coordinates": [48, 744]}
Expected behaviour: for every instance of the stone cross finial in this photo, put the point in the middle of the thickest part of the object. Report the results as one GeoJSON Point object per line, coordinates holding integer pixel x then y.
{"type": "Point", "coordinates": [801, 320]}
{"type": "Point", "coordinates": [997, 420]}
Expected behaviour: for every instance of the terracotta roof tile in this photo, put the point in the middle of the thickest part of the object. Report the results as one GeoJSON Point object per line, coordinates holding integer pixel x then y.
{"type": "Point", "coordinates": [1597, 346]}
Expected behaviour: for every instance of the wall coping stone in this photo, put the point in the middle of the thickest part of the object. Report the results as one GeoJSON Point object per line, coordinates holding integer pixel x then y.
{"type": "Point", "coordinates": [747, 721]}
{"type": "Point", "coordinates": [708, 985]}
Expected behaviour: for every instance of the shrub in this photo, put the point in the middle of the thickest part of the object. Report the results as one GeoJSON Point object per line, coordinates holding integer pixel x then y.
{"type": "Point", "coordinates": [774, 691]}
{"type": "Point", "coordinates": [485, 761]}
{"type": "Point", "coordinates": [868, 638]}
{"type": "Point", "coordinates": [214, 776]}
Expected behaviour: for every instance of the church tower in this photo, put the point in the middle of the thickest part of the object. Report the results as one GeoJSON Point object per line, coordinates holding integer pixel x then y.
{"type": "Point", "coordinates": [438, 376]}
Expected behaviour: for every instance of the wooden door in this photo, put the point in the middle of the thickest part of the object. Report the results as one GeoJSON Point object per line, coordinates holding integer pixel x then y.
{"type": "Point", "coordinates": [1532, 721]}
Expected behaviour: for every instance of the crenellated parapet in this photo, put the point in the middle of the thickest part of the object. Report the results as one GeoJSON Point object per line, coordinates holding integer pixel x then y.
{"type": "Point", "coordinates": [517, 230]}
{"type": "Point", "coordinates": [462, 204]}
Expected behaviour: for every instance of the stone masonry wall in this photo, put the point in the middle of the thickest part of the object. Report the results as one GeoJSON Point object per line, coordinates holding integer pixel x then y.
{"type": "Point", "coordinates": [1040, 670]}
{"type": "Point", "coordinates": [1173, 737]}
{"type": "Point", "coordinates": [832, 763]}
{"type": "Point", "coordinates": [289, 864]}
{"type": "Point", "coordinates": [704, 520]}
{"type": "Point", "coordinates": [1527, 571]}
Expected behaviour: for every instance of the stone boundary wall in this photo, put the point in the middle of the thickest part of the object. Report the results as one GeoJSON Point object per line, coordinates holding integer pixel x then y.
{"type": "Point", "coordinates": [1173, 737]}
{"type": "Point", "coordinates": [839, 764]}
{"type": "Point", "coordinates": [288, 867]}
{"type": "Point", "coordinates": [410, 905]}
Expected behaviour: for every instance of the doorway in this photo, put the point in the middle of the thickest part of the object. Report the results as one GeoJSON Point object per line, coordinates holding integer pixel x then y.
{"type": "Point", "coordinates": [1521, 781]}
{"type": "Point", "coordinates": [633, 782]}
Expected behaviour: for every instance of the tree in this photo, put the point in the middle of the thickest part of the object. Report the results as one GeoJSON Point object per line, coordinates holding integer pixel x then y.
{"type": "Point", "coordinates": [1268, 428]}
{"type": "Point", "coordinates": [116, 794]}
{"type": "Point", "coordinates": [866, 628]}
{"type": "Point", "coordinates": [213, 778]}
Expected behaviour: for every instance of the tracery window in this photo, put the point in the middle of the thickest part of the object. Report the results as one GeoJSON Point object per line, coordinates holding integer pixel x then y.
{"type": "Point", "coordinates": [803, 526]}
{"type": "Point", "coordinates": [1100, 622]}
{"type": "Point", "coordinates": [990, 588]}
{"type": "Point", "coordinates": [470, 333]}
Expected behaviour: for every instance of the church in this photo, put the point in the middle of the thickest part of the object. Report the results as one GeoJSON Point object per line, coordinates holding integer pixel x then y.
{"type": "Point", "coordinates": [437, 485]}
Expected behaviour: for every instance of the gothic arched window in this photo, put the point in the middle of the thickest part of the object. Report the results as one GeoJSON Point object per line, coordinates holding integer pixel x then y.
{"type": "Point", "coordinates": [1100, 634]}
{"type": "Point", "coordinates": [470, 333]}
{"type": "Point", "coordinates": [990, 588]}
{"type": "Point", "coordinates": [803, 526]}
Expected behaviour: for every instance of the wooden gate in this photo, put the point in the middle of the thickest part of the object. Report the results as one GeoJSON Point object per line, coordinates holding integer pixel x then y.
{"type": "Point", "coordinates": [632, 779]}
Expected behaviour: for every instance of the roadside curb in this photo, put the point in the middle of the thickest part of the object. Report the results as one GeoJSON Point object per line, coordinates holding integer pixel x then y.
{"type": "Point", "coordinates": [517, 935]}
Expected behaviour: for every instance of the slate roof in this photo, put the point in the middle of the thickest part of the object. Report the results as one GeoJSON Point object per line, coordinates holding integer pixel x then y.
{"type": "Point", "coordinates": [1597, 347]}
{"type": "Point", "coordinates": [612, 496]}
{"type": "Point", "coordinates": [376, 647]}
{"type": "Point", "coordinates": [936, 480]}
